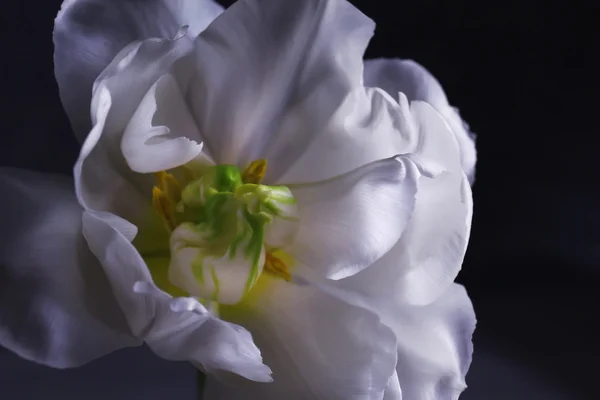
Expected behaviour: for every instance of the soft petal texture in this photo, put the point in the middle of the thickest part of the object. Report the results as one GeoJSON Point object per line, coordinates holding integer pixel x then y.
{"type": "Point", "coordinates": [434, 341]}
{"type": "Point", "coordinates": [156, 138]}
{"type": "Point", "coordinates": [428, 257]}
{"type": "Point", "coordinates": [56, 305]}
{"type": "Point", "coordinates": [182, 335]}
{"type": "Point", "coordinates": [434, 346]}
{"type": "Point", "coordinates": [224, 278]}
{"type": "Point", "coordinates": [318, 346]}
{"type": "Point", "coordinates": [368, 126]}
{"type": "Point", "coordinates": [103, 180]}
{"type": "Point", "coordinates": [271, 73]}
{"type": "Point", "coordinates": [88, 34]}
{"type": "Point", "coordinates": [393, 391]}
{"type": "Point", "coordinates": [410, 78]}
{"type": "Point", "coordinates": [348, 222]}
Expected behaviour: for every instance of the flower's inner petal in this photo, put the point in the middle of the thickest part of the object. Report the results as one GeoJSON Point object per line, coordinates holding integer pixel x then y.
{"type": "Point", "coordinates": [270, 75]}
{"type": "Point", "coordinates": [349, 222]}
{"type": "Point", "coordinates": [161, 133]}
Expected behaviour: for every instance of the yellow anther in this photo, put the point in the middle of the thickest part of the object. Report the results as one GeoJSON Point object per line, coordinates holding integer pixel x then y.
{"type": "Point", "coordinates": [255, 172]}
{"type": "Point", "coordinates": [276, 266]}
{"type": "Point", "coordinates": [169, 185]}
{"type": "Point", "coordinates": [164, 208]}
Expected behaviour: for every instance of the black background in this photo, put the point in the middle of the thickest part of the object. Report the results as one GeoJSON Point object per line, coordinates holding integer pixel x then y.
{"type": "Point", "coordinates": [524, 76]}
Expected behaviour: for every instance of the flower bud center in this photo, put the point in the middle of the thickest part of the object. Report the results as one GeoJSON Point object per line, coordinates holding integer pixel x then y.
{"type": "Point", "coordinates": [220, 224]}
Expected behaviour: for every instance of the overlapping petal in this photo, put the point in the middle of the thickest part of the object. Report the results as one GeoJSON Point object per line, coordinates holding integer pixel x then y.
{"type": "Point", "coordinates": [426, 260]}
{"type": "Point", "coordinates": [318, 346]}
{"type": "Point", "coordinates": [88, 35]}
{"type": "Point", "coordinates": [348, 222]}
{"type": "Point", "coordinates": [434, 346]}
{"type": "Point", "coordinates": [368, 126]}
{"type": "Point", "coordinates": [103, 180]}
{"type": "Point", "coordinates": [412, 79]}
{"type": "Point", "coordinates": [271, 73]}
{"type": "Point", "coordinates": [176, 335]}
{"type": "Point", "coordinates": [158, 136]}
{"type": "Point", "coordinates": [56, 305]}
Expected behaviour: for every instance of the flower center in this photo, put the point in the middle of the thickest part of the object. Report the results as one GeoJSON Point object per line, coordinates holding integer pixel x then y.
{"type": "Point", "coordinates": [226, 229]}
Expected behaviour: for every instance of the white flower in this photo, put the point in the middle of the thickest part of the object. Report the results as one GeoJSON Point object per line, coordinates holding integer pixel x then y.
{"type": "Point", "coordinates": [239, 184]}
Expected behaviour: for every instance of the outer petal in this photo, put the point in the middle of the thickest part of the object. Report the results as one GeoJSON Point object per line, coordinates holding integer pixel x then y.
{"type": "Point", "coordinates": [56, 306]}
{"type": "Point", "coordinates": [270, 75]}
{"type": "Point", "coordinates": [434, 346]}
{"type": "Point", "coordinates": [88, 34]}
{"type": "Point", "coordinates": [318, 346]}
{"type": "Point", "coordinates": [349, 222]}
{"type": "Point", "coordinates": [172, 334]}
{"type": "Point", "coordinates": [426, 260]}
{"type": "Point", "coordinates": [434, 341]}
{"type": "Point", "coordinates": [410, 78]}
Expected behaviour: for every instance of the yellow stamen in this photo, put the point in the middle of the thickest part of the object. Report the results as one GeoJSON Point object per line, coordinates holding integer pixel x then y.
{"type": "Point", "coordinates": [164, 208]}
{"type": "Point", "coordinates": [276, 266]}
{"type": "Point", "coordinates": [165, 196]}
{"type": "Point", "coordinates": [255, 172]}
{"type": "Point", "coordinates": [168, 184]}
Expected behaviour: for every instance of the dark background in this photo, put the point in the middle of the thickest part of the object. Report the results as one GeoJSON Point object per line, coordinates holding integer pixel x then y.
{"type": "Point", "coordinates": [524, 76]}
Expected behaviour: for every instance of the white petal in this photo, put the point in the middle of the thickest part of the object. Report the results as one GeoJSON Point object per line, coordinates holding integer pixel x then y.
{"type": "Point", "coordinates": [224, 278]}
{"type": "Point", "coordinates": [157, 137]}
{"type": "Point", "coordinates": [317, 346]}
{"type": "Point", "coordinates": [410, 78]}
{"type": "Point", "coordinates": [270, 75]}
{"type": "Point", "coordinates": [349, 222]}
{"type": "Point", "coordinates": [56, 306]}
{"type": "Point", "coordinates": [434, 346]}
{"type": "Point", "coordinates": [174, 335]}
{"type": "Point", "coordinates": [393, 390]}
{"type": "Point", "coordinates": [426, 260]}
{"type": "Point", "coordinates": [369, 126]}
{"type": "Point", "coordinates": [88, 34]}
{"type": "Point", "coordinates": [434, 341]}
{"type": "Point", "coordinates": [103, 180]}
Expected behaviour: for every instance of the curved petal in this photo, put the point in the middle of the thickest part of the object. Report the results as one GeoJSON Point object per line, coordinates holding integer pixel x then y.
{"type": "Point", "coordinates": [368, 126]}
{"type": "Point", "coordinates": [156, 138]}
{"type": "Point", "coordinates": [56, 306]}
{"type": "Point", "coordinates": [102, 177]}
{"type": "Point", "coordinates": [270, 75]}
{"type": "Point", "coordinates": [318, 346]}
{"type": "Point", "coordinates": [349, 222]}
{"type": "Point", "coordinates": [175, 334]}
{"type": "Point", "coordinates": [426, 260]}
{"type": "Point", "coordinates": [434, 346]}
{"type": "Point", "coordinates": [88, 34]}
{"type": "Point", "coordinates": [410, 78]}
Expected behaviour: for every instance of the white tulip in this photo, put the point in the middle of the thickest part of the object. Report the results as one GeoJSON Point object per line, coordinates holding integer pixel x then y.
{"type": "Point", "coordinates": [240, 188]}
